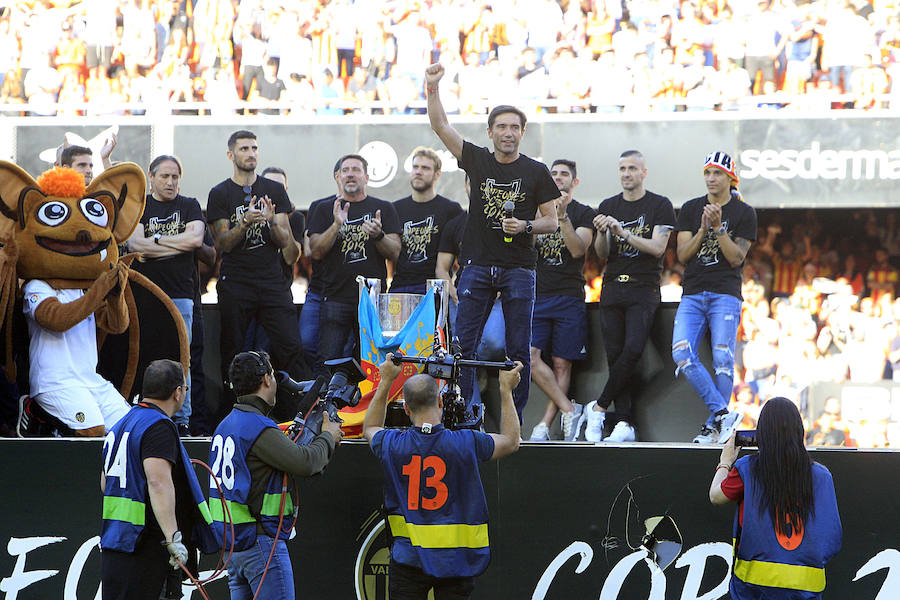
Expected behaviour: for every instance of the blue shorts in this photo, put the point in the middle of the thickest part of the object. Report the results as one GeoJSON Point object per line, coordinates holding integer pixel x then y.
{"type": "Point", "coordinates": [559, 326]}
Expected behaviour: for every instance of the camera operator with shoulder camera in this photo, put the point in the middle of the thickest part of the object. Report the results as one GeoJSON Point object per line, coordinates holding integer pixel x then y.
{"type": "Point", "coordinates": [435, 503]}
{"type": "Point", "coordinates": [787, 525]}
{"type": "Point", "coordinates": [250, 457]}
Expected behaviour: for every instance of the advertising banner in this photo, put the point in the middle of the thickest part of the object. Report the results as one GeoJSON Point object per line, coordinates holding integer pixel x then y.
{"type": "Point", "coordinates": [784, 161]}
{"type": "Point", "coordinates": [566, 522]}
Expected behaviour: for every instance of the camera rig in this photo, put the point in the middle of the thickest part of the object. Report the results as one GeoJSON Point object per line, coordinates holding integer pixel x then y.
{"type": "Point", "coordinates": [445, 366]}
{"type": "Point", "coordinates": [315, 397]}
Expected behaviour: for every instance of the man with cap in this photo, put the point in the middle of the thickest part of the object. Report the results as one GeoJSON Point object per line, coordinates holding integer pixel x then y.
{"type": "Point", "coordinates": [714, 234]}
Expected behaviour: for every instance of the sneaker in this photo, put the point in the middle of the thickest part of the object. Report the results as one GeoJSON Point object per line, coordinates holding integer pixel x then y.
{"type": "Point", "coordinates": [707, 435]}
{"type": "Point", "coordinates": [26, 421]}
{"type": "Point", "coordinates": [622, 432]}
{"type": "Point", "coordinates": [727, 423]}
{"type": "Point", "coordinates": [571, 422]}
{"type": "Point", "coordinates": [595, 418]}
{"type": "Point", "coordinates": [540, 433]}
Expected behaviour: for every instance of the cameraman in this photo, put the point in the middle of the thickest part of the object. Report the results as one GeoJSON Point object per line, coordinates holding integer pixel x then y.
{"type": "Point", "coordinates": [437, 511]}
{"type": "Point", "coordinates": [250, 456]}
{"type": "Point", "coordinates": [787, 524]}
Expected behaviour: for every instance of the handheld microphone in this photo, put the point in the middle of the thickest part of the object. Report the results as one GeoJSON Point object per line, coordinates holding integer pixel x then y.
{"type": "Point", "coordinates": [508, 207]}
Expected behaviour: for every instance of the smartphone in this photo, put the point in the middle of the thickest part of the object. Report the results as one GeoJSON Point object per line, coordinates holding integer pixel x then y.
{"type": "Point", "coordinates": [745, 437]}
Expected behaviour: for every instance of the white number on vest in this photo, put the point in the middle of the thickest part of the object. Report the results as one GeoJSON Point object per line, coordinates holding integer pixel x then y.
{"type": "Point", "coordinates": [224, 450]}
{"type": "Point", "coordinates": [120, 462]}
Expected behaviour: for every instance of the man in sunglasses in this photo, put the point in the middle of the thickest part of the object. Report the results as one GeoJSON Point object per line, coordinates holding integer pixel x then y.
{"type": "Point", "coordinates": [249, 219]}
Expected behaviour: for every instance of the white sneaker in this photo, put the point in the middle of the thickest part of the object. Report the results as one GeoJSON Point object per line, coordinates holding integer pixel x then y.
{"type": "Point", "coordinates": [727, 423]}
{"type": "Point", "coordinates": [540, 433]}
{"type": "Point", "coordinates": [707, 435]}
{"type": "Point", "coordinates": [571, 422]}
{"type": "Point", "coordinates": [595, 418]}
{"type": "Point", "coordinates": [622, 432]}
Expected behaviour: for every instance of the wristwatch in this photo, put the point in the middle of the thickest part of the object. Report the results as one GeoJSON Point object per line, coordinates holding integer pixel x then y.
{"type": "Point", "coordinates": [528, 227]}
{"type": "Point", "coordinates": [156, 237]}
{"type": "Point", "coordinates": [721, 230]}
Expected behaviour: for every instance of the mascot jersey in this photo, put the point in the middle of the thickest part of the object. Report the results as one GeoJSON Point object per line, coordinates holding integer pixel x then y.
{"type": "Point", "coordinates": [60, 359]}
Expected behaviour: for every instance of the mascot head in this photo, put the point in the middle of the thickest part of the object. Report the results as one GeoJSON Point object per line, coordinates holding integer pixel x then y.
{"type": "Point", "coordinates": [64, 230]}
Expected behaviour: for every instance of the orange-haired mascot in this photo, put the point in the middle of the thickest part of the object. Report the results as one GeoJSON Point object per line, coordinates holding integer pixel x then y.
{"type": "Point", "coordinates": [66, 238]}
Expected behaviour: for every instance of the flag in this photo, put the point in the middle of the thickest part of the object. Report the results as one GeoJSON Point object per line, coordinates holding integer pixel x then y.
{"type": "Point", "coordinates": [416, 338]}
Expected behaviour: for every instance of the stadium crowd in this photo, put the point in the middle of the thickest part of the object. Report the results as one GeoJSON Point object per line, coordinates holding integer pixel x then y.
{"type": "Point", "coordinates": [133, 56]}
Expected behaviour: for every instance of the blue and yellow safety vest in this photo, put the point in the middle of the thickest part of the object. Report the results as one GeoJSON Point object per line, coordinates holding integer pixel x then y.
{"type": "Point", "coordinates": [435, 503]}
{"type": "Point", "coordinates": [232, 441]}
{"type": "Point", "coordinates": [775, 566]}
{"type": "Point", "coordinates": [125, 495]}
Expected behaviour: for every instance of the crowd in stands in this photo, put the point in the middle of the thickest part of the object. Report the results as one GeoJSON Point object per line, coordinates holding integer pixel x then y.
{"type": "Point", "coordinates": [343, 56]}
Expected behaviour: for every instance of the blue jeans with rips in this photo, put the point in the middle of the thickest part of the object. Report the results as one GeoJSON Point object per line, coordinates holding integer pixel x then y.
{"type": "Point", "coordinates": [478, 287]}
{"type": "Point", "coordinates": [721, 314]}
{"type": "Point", "coordinates": [246, 568]}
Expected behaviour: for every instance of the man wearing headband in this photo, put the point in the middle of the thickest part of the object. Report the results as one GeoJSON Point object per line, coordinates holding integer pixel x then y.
{"type": "Point", "coordinates": [714, 234]}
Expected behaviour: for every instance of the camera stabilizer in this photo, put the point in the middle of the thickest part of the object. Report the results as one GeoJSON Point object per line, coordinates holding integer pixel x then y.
{"type": "Point", "coordinates": [444, 365]}
{"type": "Point", "coordinates": [318, 396]}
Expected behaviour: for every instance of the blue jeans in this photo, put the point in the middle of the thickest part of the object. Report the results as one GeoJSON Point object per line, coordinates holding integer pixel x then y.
{"type": "Point", "coordinates": [246, 568]}
{"type": "Point", "coordinates": [493, 339]}
{"type": "Point", "coordinates": [186, 307]}
{"type": "Point", "coordinates": [478, 287]}
{"type": "Point", "coordinates": [309, 326]}
{"type": "Point", "coordinates": [338, 322]}
{"type": "Point", "coordinates": [721, 314]}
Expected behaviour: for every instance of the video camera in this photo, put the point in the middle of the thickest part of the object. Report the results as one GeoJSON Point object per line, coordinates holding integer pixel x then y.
{"type": "Point", "coordinates": [318, 396]}
{"type": "Point", "coordinates": [444, 365]}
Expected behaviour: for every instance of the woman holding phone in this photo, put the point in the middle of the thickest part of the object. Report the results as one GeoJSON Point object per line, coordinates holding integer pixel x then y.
{"type": "Point", "coordinates": [787, 525]}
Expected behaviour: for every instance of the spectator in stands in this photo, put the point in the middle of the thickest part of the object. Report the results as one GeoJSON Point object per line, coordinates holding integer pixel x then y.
{"type": "Point", "coordinates": [882, 277]}
{"type": "Point", "coordinates": [328, 94]}
{"type": "Point", "coordinates": [171, 228]}
{"type": "Point", "coordinates": [361, 90]}
{"type": "Point", "coordinates": [846, 37]}
{"type": "Point", "coordinates": [269, 87]}
{"type": "Point", "coordinates": [868, 83]}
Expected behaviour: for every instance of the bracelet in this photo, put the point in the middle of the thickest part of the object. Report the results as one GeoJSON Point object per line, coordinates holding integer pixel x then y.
{"type": "Point", "coordinates": [725, 465]}
{"type": "Point", "coordinates": [563, 218]}
{"type": "Point", "coordinates": [378, 237]}
{"type": "Point", "coordinates": [432, 90]}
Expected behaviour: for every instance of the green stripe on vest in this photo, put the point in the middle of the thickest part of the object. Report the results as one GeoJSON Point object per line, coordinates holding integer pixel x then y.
{"type": "Point", "coordinates": [240, 513]}
{"type": "Point", "coordinates": [271, 502]}
{"type": "Point", "coordinates": [124, 509]}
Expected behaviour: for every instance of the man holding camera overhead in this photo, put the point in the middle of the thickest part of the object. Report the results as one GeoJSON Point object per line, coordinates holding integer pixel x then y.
{"type": "Point", "coordinates": [248, 215]}
{"type": "Point", "coordinates": [435, 504]}
{"type": "Point", "coordinates": [250, 456]}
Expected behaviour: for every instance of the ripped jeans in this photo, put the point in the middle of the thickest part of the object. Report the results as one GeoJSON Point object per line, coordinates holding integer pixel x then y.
{"type": "Point", "coordinates": [721, 313]}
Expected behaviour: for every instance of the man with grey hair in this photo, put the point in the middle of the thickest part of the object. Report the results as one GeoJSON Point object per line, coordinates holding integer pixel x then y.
{"type": "Point", "coordinates": [432, 484]}
{"type": "Point", "coordinates": [171, 228]}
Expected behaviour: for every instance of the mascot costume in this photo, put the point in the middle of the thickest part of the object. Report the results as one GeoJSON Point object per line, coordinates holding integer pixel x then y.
{"type": "Point", "coordinates": [62, 239]}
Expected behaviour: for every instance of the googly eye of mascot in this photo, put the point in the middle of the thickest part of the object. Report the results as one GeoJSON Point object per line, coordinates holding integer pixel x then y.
{"type": "Point", "coordinates": [77, 289]}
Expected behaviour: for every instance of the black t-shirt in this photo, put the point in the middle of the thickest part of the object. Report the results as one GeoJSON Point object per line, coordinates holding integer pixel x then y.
{"type": "Point", "coordinates": [639, 217]}
{"type": "Point", "coordinates": [558, 272]}
{"type": "Point", "coordinates": [173, 274]}
{"type": "Point", "coordinates": [160, 440]}
{"type": "Point", "coordinates": [422, 224]}
{"type": "Point", "coordinates": [353, 252]}
{"type": "Point", "coordinates": [256, 261]}
{"type": "Point", "coordinates": [526, 182]}
{"type": "Point", "coordinates": [318, 277]}
{"type": "Point", "coordinates": [298, 225]}
{"type": "Point", "coordinates": [451, 239]}
{"type": "Point", "coordinates": [708, 270]}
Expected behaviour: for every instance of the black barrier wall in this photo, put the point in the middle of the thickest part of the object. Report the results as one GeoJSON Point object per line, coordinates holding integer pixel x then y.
{"type": "Point", "coordinates": [558, 524]}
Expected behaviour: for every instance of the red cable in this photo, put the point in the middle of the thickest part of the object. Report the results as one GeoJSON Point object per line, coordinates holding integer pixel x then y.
{"type": "Point", "coordinates": [281, 510]}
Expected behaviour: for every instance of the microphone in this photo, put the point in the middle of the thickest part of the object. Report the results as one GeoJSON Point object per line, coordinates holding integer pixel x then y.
{"type": "Point", "coordinates": [508, 207]}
